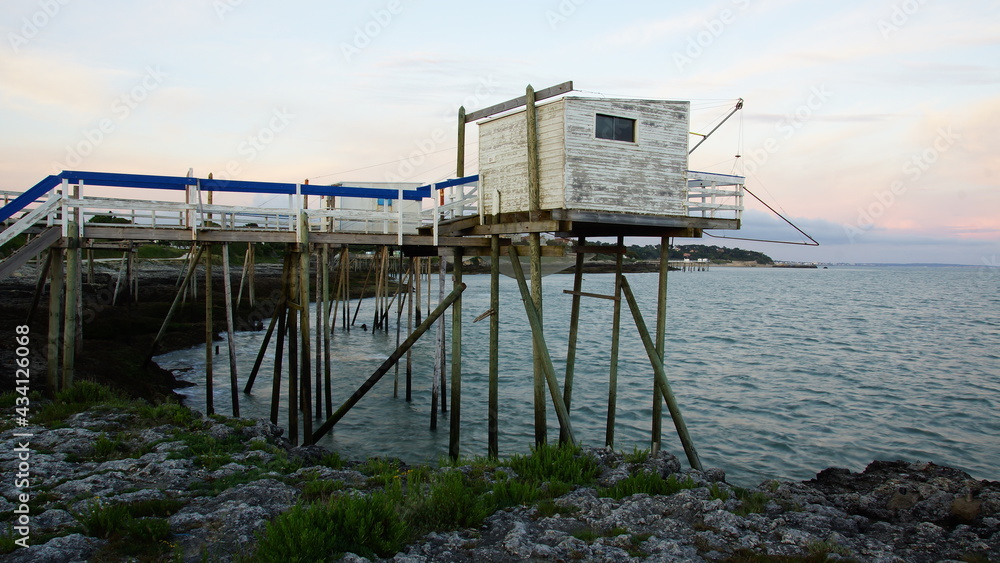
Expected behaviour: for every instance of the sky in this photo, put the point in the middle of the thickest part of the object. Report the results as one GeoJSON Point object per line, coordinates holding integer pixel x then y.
{"type": "Point", "coordinates": [871, 125]}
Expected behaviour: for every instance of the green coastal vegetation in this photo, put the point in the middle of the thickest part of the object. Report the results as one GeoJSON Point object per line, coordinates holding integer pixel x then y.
{"type": "Point", "coordinates": [396, 504]}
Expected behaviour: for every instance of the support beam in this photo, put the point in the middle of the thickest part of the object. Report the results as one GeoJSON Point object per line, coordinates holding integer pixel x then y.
{"type": "Point", "coordinates": [70, 306]}
{"type": "Point", "coordinates": [609, 433]}
{"type": "Point", "coordinates": [660, 378]}
{"type": "Point", "coordinates": [195, 258]}
{"type": "Point", "coordinates": [456, 361]}
{"type": "Point", "coordinates": [387, 364]}
{"type": "Point", "coordinates": [574, 327]}
{"type": "Point", "coordinates": [534, 243]}
{"type": "Point", "coordinates": [55, 320]}
{"type": "Point", "coordinates": [661, 324]}
{"type": "Point", "coordinates": [227, 289]}
{"type": "Point", "coordinates": [493, 400]}
{"type": "Point", "coordinates": [209, 334]}
{"type": "Point", "coordinates": [538, 335]}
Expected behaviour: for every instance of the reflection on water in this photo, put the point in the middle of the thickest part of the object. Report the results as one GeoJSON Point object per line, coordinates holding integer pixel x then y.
{"type": "Point", "coordinates": [779, 373]}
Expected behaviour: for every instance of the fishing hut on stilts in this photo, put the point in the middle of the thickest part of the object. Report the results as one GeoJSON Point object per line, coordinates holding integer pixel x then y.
{"type": "Point", "coordinates": [578, 168]}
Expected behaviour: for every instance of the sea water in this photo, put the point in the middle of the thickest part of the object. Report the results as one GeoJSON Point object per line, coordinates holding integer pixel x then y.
{"type": "Point", "coordinates": [779, 373]}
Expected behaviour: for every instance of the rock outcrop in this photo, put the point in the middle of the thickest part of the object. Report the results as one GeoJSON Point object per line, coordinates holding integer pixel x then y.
{"type": "Point", "coordinates": [206, 489]}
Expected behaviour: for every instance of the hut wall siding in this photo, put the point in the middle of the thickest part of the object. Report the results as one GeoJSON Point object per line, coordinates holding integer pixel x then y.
{"type": "Point", "coordinates": [580, 171]}
{"type": "Point", "coordinates": [647, 176]}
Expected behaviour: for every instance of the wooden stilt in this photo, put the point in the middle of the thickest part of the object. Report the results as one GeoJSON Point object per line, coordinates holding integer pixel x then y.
{"type": "Point", "coordinates": [661, 378]}
{"type": "Point", "coordinates": [294, 305]}
{"type": "Point", "coordinates": [414, 273]}
{"type": "Point", "coordinates": [36, 296]}
{"type": "Point", "coordinates": [277, 317]}
{"type": "Point", "coordinates": [318, 327]}
{"type": "Point", "coordinates": [71, 306]}
{"type": "Point", "coordinates": [388, 363]}
{"type": "Point", "coordinates": [574, 327]}
{"type": "Point", "coordinates": [252, 284]}
{"type": "Point", "coordinates": [493, 406]}
{"type": "Point", "coordinates": [417, 295]}
{"type": "Point", "coordinates": [538, 334]}
{"type": "Point", "coordinates": [456, 362]}
{"type": "Point", "coordinates": [609, 433]}
{"type": "Point", "coordinates": [443, 356]}
{"type": "Point", "coordinates": [534, 243]}
{"type": "Point", "coordinates": [282, 312]}
{"type": "Point", "coordinates": [56, 311]}
{"type": "Point", "coordinates": [438, 374]}
{"type": "Point", "coordinates": [118, 279]}
{"type": "Point", "coordinates": [327, 376]}
{"type": "Point", "coordinates": [304, 255]}
{"type": "Point", "coordinates": [347, 286]}
{"type": "Point", "coordinates": [364, 286]}
{"type": "Point", "coordinates": [399, 324]}
{"type": "Point", "coordinates": [188, 277]}
{"type": "Point", "coordinates": [243, 274]}
{"type": "Point", "coordinates": [661, 324]}
{"type": "Point", "coordinates": [228, 296]}
{"type": "Point", "coordinates": [209, 333]}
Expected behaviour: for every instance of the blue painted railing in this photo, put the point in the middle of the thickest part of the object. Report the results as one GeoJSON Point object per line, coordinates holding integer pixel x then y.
{"type": "Point", "coordinates": [142, 181]}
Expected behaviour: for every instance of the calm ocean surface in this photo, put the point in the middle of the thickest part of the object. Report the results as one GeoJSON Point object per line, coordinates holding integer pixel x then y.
{"type": "Point", "coordinates": [779, 373]}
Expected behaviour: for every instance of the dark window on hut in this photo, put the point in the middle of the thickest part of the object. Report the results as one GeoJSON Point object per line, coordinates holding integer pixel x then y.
{"type": "Point", "coordinates": [615, 128]}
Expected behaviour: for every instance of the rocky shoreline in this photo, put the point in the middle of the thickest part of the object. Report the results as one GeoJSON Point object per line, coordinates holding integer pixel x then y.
{"type": "Point", "coordinates": [114, 479]}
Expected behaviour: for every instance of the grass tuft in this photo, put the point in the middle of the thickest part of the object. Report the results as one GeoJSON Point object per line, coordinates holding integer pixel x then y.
{"type": "Point", "coordinates": [367, 526]}
{"type": "Point", "coordinates": [648, 483]}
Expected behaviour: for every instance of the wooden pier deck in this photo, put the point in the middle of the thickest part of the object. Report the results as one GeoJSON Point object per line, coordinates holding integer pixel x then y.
{"type": "Point", "coordinates": [70, 212]}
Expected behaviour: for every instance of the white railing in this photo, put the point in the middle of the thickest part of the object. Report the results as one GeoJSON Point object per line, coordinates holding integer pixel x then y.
{"type": "Point", "coordinates": [715, 196]}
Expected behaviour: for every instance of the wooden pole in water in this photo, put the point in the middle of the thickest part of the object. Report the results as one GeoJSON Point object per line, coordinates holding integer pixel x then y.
{"type": "Point", "coordinates": [538, 334]}
{"type": "Point", "coordinates": [73, 280]}
{"type": "Point", "coordinates": [661, 324]}
{"type": "Point", "coordinates": [281, 313]}
{"type": "Point", "coordinates": [36, 297]}
{"type": "Point", "coordinates": [318, 326]}
{"type": "Point", "coordinates": [277, 317]}
{"type": "Point", "coordinates": [209, 390]}
{"type": "Point", "coordinates": [228, 290]}
{"type": "Point", "coordinates": [443, 357]}
{"type": "Point", "coordinates": [574, 327]}
{"type": "Point", "coordinates": [118, 279]}
{"type": "Point", "coordinates": [304, 256]}
{"type": "Point", "coordinates": [364, 286]}
{"type": "Point", "coordinates": [455, 432]}
{"type": "Point", "coordinates": [609, 433]}
{"type": "Point", "coordinates": [55, 319]}
{"type": "Point", "coordinates": [534, 242]}
{"type": "Point", "coordinates": [196, 257]}
{"type": "Point", "coordinates": [493, 400]}
{"type": "Point", "coordinates": [294, 304]}
{"type": "Point", "coordinates": [399, 320]}
{"type": "Point", "coordinates": [243, 275]}
{"type": "Point", "coordinates": [327, 305]}
{"type": "Point", "coordinates": [388, 363]}
{"type": "Point", "coordinates": [252, 289]}
{"type": "Point", "coordinates": [438, 374]}
{"type": "Point", "coordinates": [661, 378]}
{"type": "Point", "coordinates": [417, 294]}
{"type": "Point", "coordinates": [347, 286]}
{"type": "Point", "coordinates": [414, 272]}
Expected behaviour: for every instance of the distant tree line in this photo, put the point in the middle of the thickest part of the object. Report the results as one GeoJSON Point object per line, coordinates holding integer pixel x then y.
{"type": "Point", "coordinates": [713, 253]}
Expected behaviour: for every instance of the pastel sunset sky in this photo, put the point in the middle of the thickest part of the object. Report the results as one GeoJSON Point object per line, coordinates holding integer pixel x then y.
{"type": "Point", "coordinates": [870, 124]}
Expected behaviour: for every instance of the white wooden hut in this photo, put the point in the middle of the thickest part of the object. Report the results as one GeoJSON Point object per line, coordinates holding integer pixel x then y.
{"type": "Point", "coordinates": [595, 154]}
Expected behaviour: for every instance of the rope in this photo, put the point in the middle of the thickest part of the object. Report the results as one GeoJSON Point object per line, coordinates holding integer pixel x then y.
{"type": "Point", "coordinates": [785, 219]}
